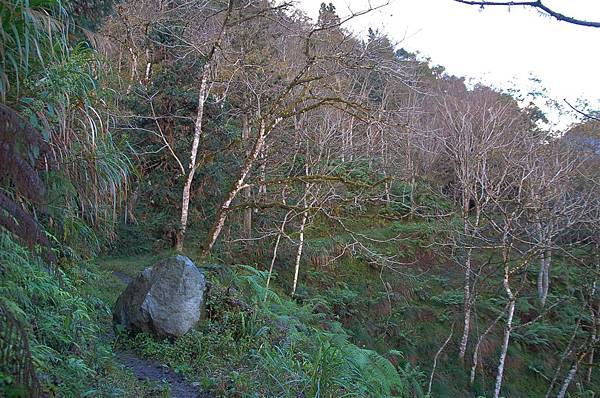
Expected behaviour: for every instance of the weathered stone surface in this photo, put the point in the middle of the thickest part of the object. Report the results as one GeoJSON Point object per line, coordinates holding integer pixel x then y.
{"type": "Point", "coordinates": [165, 299]}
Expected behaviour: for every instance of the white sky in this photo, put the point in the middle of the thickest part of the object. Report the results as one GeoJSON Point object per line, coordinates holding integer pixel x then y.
{"type": "Point", "coordinates": [499, 46]}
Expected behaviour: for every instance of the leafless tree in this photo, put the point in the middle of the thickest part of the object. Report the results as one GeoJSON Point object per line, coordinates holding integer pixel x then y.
{"type": "Point", "coordinates": [476, 127]}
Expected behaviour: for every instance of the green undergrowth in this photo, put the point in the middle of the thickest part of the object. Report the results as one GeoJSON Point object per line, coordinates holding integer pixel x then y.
{"type": "Point", "coordinates": [354, 328]}
{"type": "Point", "coordinates": [65, 322]}
{"type": "Point", "coordinates": [413, 306]}
{"type": "Point", "coordinates": [258, 343]}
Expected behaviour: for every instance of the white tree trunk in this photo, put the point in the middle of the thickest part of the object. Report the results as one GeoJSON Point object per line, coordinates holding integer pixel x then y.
{"type": "Point", "coordinates": [274, 257]}
{"type": "Point", "coordinates": [134, 66]}
{"type": "Point", "coordinates": [347, 150]}
{"type": "Point", "coordinates": [595, 312]}
{"type": "Point", "coordinates": [185, 199]}
{"type": "Point", "coordinates": [548, 261]}
{"type": "Point", "coordinates": [544, 276]}
{"type": "Point", "coordinates": [567, 353]}
{"type": "Point", "coordinates": [299, 252]}
{"type": "Point", "coordinates": [413, 188]}
{"type": "Point", "coordinates": [588, 378]}
{"type": "Point", "coordinates": [148, 73]}
{"type": "Point", "coordinates": [501, 362]}
{"type": "Point", "coordinates": [507, 331]}
{"type": "Point", "coordinates": [262, 188]}
{"type": "Point", "coordinates": [476, 350]}
{"type": "Point", "coordinates": [468, 302]}
{"type": "Point", "coordinates": [301, 238]}
{"type": "Point", "coordinates": [540, 279]}
{"type": "Point", "coordinates": [568, 380]}
{"type": "Point", "coordinates": [271, 266]}
{"type": "Point", "coordinates": [247, 192]}
{"type": "Point", "coordinates": [236, 187]}
{"type": "Point", "coordinates": [467, 307]}
{"type": "Point", "coordinates": [435, 359]}
{"type": "Point", "coordinates": [202, 96]}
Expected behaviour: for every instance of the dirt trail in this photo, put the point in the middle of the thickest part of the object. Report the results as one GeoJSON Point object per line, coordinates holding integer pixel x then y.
{"type": "Point", "coordinates": [145, 369]}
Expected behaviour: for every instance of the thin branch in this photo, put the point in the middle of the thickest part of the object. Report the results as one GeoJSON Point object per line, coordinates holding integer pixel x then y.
{"type": "Point", "coordinates": [435, 359]}
{"type": "Point", "coordinates": [534, 4]}
{"type": "Point", "coordinates": [587, 115]}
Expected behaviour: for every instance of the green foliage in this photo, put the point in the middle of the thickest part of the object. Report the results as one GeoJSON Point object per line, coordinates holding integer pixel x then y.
{"type": "Point", "coordinates": [65, 102]}
{"type": "Point", "coordinates": [274, 348]}
{"type": "Point", "coordinates": [544, 335]}
{"type": "Point", "coordinates": [327, 365]}
{"type": "Point", "coordinates": [426, 202]}
{"type": "Point", "coordinates": [31, 32]}
{"type": "Point", "coordinates": [63, 324]}
{"type": "Point", "coordinates": [53, 82]}
{"type": "Point", "coordinates": [254, 283]}
{"type": "Point", "coordinates": [449, 298]}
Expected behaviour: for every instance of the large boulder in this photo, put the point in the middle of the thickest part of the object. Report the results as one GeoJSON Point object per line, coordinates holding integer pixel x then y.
{"type": "Point", "coordinates": [165, 299]}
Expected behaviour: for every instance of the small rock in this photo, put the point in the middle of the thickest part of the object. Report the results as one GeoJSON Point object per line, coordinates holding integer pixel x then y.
{"type": "Point", "coordinates": [165, 299]}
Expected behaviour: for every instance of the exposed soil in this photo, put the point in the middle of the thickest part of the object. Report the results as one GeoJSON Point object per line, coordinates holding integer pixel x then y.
{"type": "Point", "coordinates": [145, 369]}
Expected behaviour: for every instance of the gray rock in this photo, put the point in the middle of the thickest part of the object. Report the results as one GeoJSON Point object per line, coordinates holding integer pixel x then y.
{"type": "Point", "coordinates": [165, 299]}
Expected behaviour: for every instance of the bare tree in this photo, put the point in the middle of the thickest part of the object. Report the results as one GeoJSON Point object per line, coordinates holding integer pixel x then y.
{"type": "Point", "coordinates": [475, 128]}
{"type": "Point", "coordinates": [296, 86]}
{"type": "Point", "coordinates": [203, 92]}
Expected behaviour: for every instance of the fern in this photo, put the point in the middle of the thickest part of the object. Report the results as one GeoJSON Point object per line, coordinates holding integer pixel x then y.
{"type": "Point", "coordinates": [254, 283]}
{"type": "Point", "coordinates": [61, 326]}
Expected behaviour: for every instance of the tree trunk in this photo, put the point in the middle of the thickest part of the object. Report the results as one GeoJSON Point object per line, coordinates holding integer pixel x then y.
{"type": "Point", "coordinates": [272, 264]}
{"type": "Point", "coordinates": [435, 359]}
{"type": "Point", "coordinates": [544, 276]}
{"type": "Point", "coordinates": [468, 302]}
{"type": "Point", "coordinates": [467, 305]}
{"type": "Point", "coordinates": [588, 378]}
{"type": "Point", "coordinates": [595, 313]}
{"type": "Point", "coordinates": [299, 252]}
{"type": "Point", "coordinates": [148, 73]}
{"type": "Point", "coordinates": [508, 328]}
{"type": "Point", "coordinates": [301, 238]}
{"type": "Point", "coordinates": [247, 192]}
{"type": "Point", "coordinates": [540, 279]}
{"type": "Point", "coordinates": [281, 230]}
{"type": "Point", "coordinates": [568, 380]}
{"type": "Point", "coordinates": [502, 361]}
{"type": "Point", "coordinates": [567, 352]}
{"type": "Point", "coordinates": [347, 150]}
{"type": "Point", "coordinates": [413, 187]}
{"type": "Point", "coordinates": [262, 188]}
{"type": "Point", "coordinates": [388, 197]}
{"type": "Point", "coordinates": [235, 188]}
{"type": "Point", "coordinates": [548, 261]}
{"type": "Point", "coordinates": [476, 350]}
{"type": "Point", "coordinates": [185, 199]}
{"type": "Point", "coordinates": [202, 96]}
{"type": "Point", "coordinates": [134, 65]}
{"type": "Point", "coordinates": [573, 371]}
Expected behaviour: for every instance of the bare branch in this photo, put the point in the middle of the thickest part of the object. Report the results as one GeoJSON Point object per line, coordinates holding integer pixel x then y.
{"type": "Point", "coordinates": [534, 4]}
{"type": "Point", "coordinates": [587, 115]}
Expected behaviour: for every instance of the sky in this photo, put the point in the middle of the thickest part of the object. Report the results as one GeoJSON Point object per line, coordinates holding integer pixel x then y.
{"type": "Point", "coordinates": [498, 46]}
